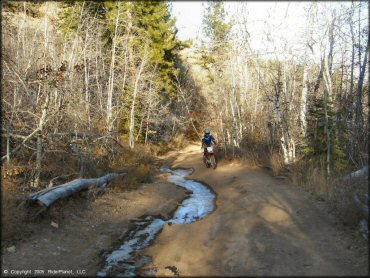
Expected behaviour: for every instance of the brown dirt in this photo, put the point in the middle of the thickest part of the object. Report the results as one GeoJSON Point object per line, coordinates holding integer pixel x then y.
{"type": "Point", "coordinates": [86, 230]}
{"type": "Point", "coordinates": [262, 226]}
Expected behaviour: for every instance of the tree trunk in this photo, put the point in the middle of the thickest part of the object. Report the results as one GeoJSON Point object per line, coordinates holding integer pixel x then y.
{"type": "Point", "coordinates": [132, 114]}
{"type": "Point", "coordinates": [351, 100]}
{"type": "Point", "coordinates": [288, 147]}
{"type": "Point", "coordinates": [148, 113]}
{"type": "Point", "coordinates": [326, 67]}
{"type": "Point", "coordinates": [327, 109]}
{"type": "Point", "coordinates": [86, 79]}
{"type": "Point", "coordinates": [111, 76]}
{"type": "Point", "coordinates": [257, 100]}
{"type": "Point", "coordinates": [303, 109]}
{"type": "Point", "coordinates": [36, 182]}
{"type": "Point", "coordinates": [359, 118]}
{"type": "Point", "coordinates": [39, 138]}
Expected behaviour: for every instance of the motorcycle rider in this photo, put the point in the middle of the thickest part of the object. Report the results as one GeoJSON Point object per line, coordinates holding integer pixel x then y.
{"type": "Point", "coordinates": [207, 140]}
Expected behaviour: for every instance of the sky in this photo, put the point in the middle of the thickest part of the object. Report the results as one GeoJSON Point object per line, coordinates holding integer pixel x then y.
{"type": "Point", "coordinates": [276, 28]}
{"type": "Point", "coordinates": [189, 16]}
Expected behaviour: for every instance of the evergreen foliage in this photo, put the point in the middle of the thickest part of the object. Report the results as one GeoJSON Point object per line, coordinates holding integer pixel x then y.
{"type": "Point", "coordinates": [215, 26]}
{"type": "Point", "coordinates": [217, 31]}
{"type": "Point", "coordinates": [152, 22]}
{"type": "Point", "coordinates": [316, 149]}
{"type": "Point", "coordinates": [31, 9]}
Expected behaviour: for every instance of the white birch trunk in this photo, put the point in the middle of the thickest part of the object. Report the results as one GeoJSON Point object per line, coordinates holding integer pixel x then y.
{"type": "Point", "coordinates": [285, 150]}
{"type": "Point", "coordinates": [111, 77]}
{"type": "Point", "coordinates": [288, 147]}
{"type": "Point", "coordinates": [148, 114]}
{"type": "Point", "coordinates": [327, 107]}
{"type": "Point", "coordinates": [132, 114]}
{"type": "Point", "coordinates": [304, 94]}
{"type": "Point", "coordinates": [39, 139]}
{"type": "Point", "coordinates": [246, 81]}
{"type": "Point", "coordinates": [257, 100]}
{"type": "Point", "coordinates": [87, 77]}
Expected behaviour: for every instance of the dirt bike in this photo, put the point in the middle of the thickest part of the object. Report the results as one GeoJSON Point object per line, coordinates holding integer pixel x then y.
{"type": "Point", "coordinates": [209, 157]}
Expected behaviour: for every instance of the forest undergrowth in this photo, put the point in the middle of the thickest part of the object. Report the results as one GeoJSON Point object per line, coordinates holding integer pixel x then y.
{"type": "Point", "coordinates": [18, 216]}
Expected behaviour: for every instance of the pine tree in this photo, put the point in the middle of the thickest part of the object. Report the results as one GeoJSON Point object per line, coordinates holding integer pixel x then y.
{"type": "Point", "coordinates": [217, 31]}
{"type": "Point", "coordinates": [215, 26]}
{"type": "Point", "coordinates": [316, 137]}
{"type": "Point", "coordinates": [153, 23]}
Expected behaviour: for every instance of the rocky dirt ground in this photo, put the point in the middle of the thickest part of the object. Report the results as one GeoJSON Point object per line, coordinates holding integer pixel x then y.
{"type": "Point", "coordinates": [261, 226]}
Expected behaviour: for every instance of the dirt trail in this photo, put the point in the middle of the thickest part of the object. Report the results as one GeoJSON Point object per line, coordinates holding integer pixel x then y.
{"type": "Point", "coordinates": [262, 226]}
{"type": "Point", "coordinates": [88, 230]}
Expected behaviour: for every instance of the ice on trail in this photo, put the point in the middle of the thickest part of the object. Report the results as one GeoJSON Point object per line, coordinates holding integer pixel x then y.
{"type": "Point", "coordinates": [199, 204]}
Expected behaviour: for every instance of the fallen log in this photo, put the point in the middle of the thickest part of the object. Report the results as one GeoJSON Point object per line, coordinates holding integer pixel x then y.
{"type": "Point", "coordinates": [363, 207]}
{"type": "Point", "coordinates": [49, 195]}
{"type": "Point", "coordinates": [364, 229]}
{"type": "Point", "coordinates": [362, 173]}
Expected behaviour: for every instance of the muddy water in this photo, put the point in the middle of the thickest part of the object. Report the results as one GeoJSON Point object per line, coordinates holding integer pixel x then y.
{"type": "Point", "coordinates": [199, 204]}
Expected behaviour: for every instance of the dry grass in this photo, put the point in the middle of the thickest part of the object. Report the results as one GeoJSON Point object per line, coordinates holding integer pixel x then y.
{"type": "Point", "coordinates": [277, 164]}
{"type": "Point", "coordinates": [343, 199]}
{"type": "Point", "coordinates": [176, 143]}
{"type": "Point", "coordinates": [316, 183]}
{"type": "Point", "coordinates": [179, 141]}
{"type": "Point", "coordinates": [312, 178]}
{"type": "Point", "coordinates": [338, 195]}
{"type": "Point", "coordinates": [138, 163]}
{"type": "Point", "coordinates": [250, 159]}
{"type": "Point", "coordinates": [160, 149]}
{"type": "Point", "coordinates": [249, 154]}
{"type": "Point", "coordinates": [136, 175]}
{"type": "Point", "coordinates": [13, 214]}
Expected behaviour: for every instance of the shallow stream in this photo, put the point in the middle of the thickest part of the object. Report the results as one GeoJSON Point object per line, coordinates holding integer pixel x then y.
{"type": "Point", "coordinates": [199, 204]}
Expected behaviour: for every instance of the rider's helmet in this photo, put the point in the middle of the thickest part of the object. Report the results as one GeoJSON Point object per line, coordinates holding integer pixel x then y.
{"type": "Point", "coordinates": [207, 131]}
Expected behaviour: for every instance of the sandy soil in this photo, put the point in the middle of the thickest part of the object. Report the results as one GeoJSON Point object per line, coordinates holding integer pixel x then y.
{"type": "Point", "coordinates": [261, 226]}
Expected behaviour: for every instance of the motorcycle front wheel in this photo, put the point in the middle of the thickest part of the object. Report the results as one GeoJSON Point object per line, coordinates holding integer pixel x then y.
{"type": "Point", "coordinates": [213, 162]}
{"type": "Point", "coordinates": [206, 161]}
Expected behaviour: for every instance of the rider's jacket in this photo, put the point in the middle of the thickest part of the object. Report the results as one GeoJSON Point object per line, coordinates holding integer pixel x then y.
{"type": "Point", "coordinates": [207, 139]}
